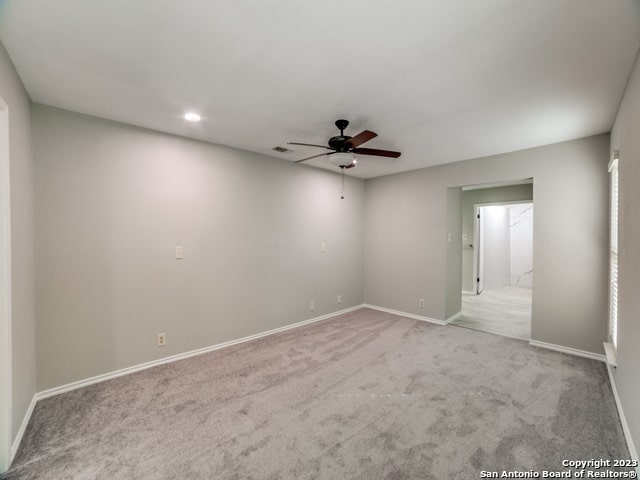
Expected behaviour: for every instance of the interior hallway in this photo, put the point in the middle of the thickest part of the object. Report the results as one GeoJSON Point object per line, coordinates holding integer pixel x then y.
{"type": "Point", "coordinates": [504, 311]}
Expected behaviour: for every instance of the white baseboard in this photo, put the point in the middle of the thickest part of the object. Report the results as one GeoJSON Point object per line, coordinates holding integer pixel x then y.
{"type": "Point", "coordinates": [136, 368]}
{"type": "Point", "coordinates": [180, 356]}
{"type": "Point", "coordinates": [404, 314]}
{"type": "Point", "coordinates": [143, 366]}
{"type": "Point", "coordinates": [625, 426]}
{"type": "Point", "coordinates": [22, 429]}
{"type": "Point", "coordinates": [569, 350]}
{"type": "Point", "coordinates": [453, 317]}
{"type": "Point", "coordinates": [602, 358]}
{"type": "Point", "coordinates": [469, 327]}
{"type": "Point", "coordinates": [468, 292]}
{"type": "Point", "coordinates": [610, 353]}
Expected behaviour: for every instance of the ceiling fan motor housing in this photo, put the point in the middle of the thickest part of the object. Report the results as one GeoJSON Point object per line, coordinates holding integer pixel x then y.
{"type": "Point", "coordinates": [338, 142]}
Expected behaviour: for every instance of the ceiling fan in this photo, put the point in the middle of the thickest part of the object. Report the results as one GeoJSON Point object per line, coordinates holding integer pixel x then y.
{"type": "Point", "coordinates": [343, 147]}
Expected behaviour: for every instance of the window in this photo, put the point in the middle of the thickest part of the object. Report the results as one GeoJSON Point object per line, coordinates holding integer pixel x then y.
{"type": "Point", "coordinates": [613, 254]}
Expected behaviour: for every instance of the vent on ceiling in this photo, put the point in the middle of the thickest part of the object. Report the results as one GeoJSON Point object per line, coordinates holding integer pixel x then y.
{"type": "Point", "coordinates": [282, 149]}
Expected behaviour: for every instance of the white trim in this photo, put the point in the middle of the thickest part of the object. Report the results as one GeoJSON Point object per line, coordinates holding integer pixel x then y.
{"type": "Point", "coordinates": [614, 261]}
{"type": "Point", "coordinates": [125, 371]}
{"type": "Point", "coordinates": [405, 314]}
{"type": "Point", "coordinates": [610, 353]}
{"type": "Point", "coordinates": [453, 317]}
{"type": "Point", "coordinates": [23, 427]}
{"type": "Point", "coordinates": [625, 426]}
{"type": "Point", "coordinates": [500, 204]}
{"type": "Point", "coordinates": [180, 356]}
{"type": "Point", "coordinates": [6, 360]}
{"type": "Point", "coordinates": [506, 183]}
{"type": "Point", "coordinates": [613, 163]}
{"type": "Point", "coordinates": [476, 249]}
{"type": "Point", "coordinates": [143, 366]}
{"type": "Point", "coordinates": [469, 327]}
{"type": "Point", "coordinates": [468, 292]}
{"type": "Point", "coordinates": [569, 350]}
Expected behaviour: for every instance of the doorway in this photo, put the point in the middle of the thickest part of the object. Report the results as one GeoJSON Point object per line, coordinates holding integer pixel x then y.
{"type": "Point", "coordinates": [5, 292]}
{"type": "Point", "coordinates": [503, 235]}
{"type": "Point", "coordinates": [499, 297]}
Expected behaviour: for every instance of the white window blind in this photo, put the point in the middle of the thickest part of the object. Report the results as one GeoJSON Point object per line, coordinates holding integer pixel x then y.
{"type": "Point", "coordinates": [613, 255]}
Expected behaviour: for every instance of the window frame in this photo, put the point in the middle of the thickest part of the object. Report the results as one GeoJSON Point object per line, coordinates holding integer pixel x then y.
{"type": "Point", "coordinates": [614, 207]}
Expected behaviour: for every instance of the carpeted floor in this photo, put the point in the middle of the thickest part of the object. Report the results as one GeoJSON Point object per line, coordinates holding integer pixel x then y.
{"type": "Point", "coordinates": [367, 395]}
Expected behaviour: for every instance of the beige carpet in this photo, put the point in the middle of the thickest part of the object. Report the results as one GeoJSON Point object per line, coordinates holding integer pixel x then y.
{"type": "Point", "coordinates": [367, 395]}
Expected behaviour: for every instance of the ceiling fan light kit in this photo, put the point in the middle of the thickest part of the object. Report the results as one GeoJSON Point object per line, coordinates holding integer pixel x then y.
{"type": "Point", "coordinates": [343, 159]}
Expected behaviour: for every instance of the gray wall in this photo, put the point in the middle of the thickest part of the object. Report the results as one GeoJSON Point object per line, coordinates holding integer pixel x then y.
{"type": "Point", "coordinates": [625, 138]}
{"type": "Point", "coordinates": [22, 238]}
{"type": "Point", "coordinates": [406, 241]}
{"type": "Point", "coordinates": [113, 202]}
{"type": "Point", "coordinates": [484, 195]}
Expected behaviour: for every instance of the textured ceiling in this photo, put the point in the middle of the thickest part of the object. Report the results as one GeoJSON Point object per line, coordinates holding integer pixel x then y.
{"type": "Point", "coordinates": [439, 80]}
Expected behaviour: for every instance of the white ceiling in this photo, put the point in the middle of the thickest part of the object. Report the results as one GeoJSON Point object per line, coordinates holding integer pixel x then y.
{"type": "Point", "coordinates": [439, 80]}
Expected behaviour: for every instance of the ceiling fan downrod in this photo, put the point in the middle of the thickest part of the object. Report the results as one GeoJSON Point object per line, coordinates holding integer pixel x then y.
{"type": "Point", "coordinates": [342, 124]}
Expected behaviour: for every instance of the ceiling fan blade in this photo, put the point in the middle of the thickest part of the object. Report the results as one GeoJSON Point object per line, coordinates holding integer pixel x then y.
{"type": "Point", "coordinates": [309, 145]}
{"type": "Point", "coordinates": [360, 138]}
{"type": "Point", "coordinates": [314, 156]}
{"type": "Point", "coordinates": [375, 151]}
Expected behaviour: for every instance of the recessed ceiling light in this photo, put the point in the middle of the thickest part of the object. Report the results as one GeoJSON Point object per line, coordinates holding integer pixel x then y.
{"type": "Point", "coordinates": [192, 117]}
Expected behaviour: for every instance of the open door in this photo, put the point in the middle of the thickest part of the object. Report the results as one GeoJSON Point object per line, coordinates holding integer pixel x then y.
{"type": "Point", "coordinates": [478, 254]}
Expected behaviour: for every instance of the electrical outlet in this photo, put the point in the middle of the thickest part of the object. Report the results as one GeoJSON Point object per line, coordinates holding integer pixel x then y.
{"type": "Point", "coordinates": [339, 299]}
{"type": "Point", "coordinates": [312, 305]}
{"type": "Point", "coordinates": [323, 247]}
{"type": "Point", "coordinates": [421, 303]}
{"type": "Point", "coordinates": [162, 339]}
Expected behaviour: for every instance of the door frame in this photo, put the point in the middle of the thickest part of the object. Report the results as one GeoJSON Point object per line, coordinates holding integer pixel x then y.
{"type": "Point", "coordinates": [5, 293]}
{"type": "Point", "coordinates": [477, 240]}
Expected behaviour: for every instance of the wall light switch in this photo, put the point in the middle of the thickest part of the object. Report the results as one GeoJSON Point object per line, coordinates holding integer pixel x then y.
{"type": "Point", "coordinates": [179, 253]}
{"type": "Point", "coordinates": [323, 247]}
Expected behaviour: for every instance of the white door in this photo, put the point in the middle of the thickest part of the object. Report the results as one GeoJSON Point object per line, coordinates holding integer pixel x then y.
{"type": "Point", "coordinates": [479, 267]}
